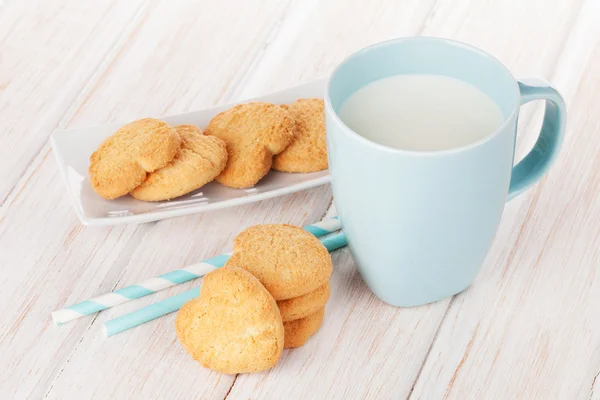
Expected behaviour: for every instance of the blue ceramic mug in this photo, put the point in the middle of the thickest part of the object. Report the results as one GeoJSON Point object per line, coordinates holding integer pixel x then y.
{"type": "Point", "coordinates": [420, 223]}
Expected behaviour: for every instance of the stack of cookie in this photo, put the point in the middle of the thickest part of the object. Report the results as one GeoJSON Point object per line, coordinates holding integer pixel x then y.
{"type": "Point", "coordinates": [233, 327]}
{"type": "Point", "coordinates": [261, 136]}
{"type": "Point", "coordinates": [153, 161]}
{"type": "Point", "coordinates": [294, 267]}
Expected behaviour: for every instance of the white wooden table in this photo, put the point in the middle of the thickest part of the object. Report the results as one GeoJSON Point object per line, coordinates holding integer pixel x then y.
{"type": "Point", "coordinates": [529, 327]}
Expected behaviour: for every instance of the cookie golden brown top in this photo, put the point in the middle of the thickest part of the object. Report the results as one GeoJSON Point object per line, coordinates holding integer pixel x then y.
{"type": "Point", "coordinates": [287, 260]}
{"type": "Point", "coordinates": [253, 132]}
{"type": "Point", "coordinates": [122, 161]}
{"type": "Point", "coordinates": [199, 160]}
{"type": "Point", "coordinates": [308, 151]}
{"type": "Point", "coordinates": [234, 326]}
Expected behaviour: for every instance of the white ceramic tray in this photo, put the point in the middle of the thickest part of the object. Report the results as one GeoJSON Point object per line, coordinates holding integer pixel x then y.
{"type": "Point", "coordinates": [73, 147]}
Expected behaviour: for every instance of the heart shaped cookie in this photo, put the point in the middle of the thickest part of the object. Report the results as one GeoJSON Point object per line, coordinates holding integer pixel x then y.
{"type": "Point", "coordinates": [288, 261]}
{"type": "Point", "coordinates": [122, 161]}
{"type": "Point", "coordinates": [234, 326]}
{"type": "Point", "coordinates": [254, 133]}
{"type": "Point", "coordinates": [199, 160]}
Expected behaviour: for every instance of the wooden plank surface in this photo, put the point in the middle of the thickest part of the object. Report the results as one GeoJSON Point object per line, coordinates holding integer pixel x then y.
{"type": "Point", "coordinates": [528, 327]}
{"type": "Point", "coordinates": [48, 52]}
{"type": "Point", "coordinates": [525, 329]}
{"type": "Point", "coordinates": [61, 262]}
{"type": "Point", "coordinates": [389, 368]}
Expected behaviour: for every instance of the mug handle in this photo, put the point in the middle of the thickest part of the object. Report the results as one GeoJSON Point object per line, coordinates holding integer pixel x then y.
{"type": "Point", "coordinates": [533, 166]}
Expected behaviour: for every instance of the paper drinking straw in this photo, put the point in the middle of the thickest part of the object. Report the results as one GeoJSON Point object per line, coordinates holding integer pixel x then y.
{"type": "Point", "coordinates": [164, 281]}
{"type": "Point", "coordinates": [174, 303]}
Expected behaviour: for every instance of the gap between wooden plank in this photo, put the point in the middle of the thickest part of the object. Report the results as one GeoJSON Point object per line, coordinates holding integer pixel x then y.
{"type": "Point", "coordinates": [231, 387]}
{"type": "Point", "coordinates": [437, 331]}
{"type": "Point", "coordinates": [591, 396]}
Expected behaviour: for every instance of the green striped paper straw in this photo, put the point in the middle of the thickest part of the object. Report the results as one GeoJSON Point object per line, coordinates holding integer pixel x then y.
{"type": "Point", "coordinates": [174, 303]}
{"type": "Point", "coordinates": [164, 281]}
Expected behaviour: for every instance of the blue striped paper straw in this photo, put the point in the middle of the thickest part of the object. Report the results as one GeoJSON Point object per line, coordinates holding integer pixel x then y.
{"type": "Point", "coordinates": [174, 303]}
{"type": "Point", "coordinates": [164, 281]}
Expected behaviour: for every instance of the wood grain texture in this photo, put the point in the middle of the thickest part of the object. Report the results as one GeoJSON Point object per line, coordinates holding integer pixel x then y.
{"type": "Point", "coordinates": [318, 35]}
{"type": "Point", "coordinates": [60, 262]}
{"type": "Point", "coordinates": [376, 374]}
{"type": "Point", "coordinates": [48, 52]}
{"type": "Point", "coordinates": [354, 319]}
{"type": "Point", "coordinates": [528, 326]}
{"type": "Point", "coordinates": [525, 329]}
{"type": "Point", "coordinates": [365, 349]}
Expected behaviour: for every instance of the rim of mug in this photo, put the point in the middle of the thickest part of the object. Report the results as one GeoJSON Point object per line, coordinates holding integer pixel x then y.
{"type": "Point", "coordinates": [458, 149]}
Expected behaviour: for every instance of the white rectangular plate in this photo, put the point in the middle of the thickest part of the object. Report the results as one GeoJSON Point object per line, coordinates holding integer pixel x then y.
{"type": "Point", "coordinates": [73, 147]}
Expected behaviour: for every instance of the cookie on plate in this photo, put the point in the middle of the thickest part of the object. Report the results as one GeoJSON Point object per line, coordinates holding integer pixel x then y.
{"type": "Point", "coordinates": [300, 307]}
{"type": "Point", "coordinates": [254, 133]}
{"type": "Point", "coordinates": [297, 332]}
{"type": "Point", "coordinates": [199, 160]}
{"type": "Point", "coordinates": [288, 261]}
{"type": "Point", "coordinates": [234, 326]}
{"type": "Point", "coordinates": [122, 161]}
{"type": "Point", "coordinates": [308, 150]}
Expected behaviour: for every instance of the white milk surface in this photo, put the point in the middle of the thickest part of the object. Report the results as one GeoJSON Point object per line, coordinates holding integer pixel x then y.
{"type": "Point", "coordinates": [421, 112]}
